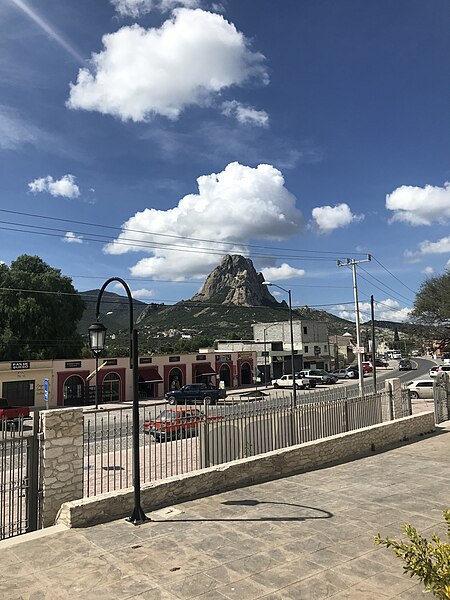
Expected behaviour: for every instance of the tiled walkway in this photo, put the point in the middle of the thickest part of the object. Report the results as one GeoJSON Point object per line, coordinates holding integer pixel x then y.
{"type": "Point", "coordinates": [309, 536]}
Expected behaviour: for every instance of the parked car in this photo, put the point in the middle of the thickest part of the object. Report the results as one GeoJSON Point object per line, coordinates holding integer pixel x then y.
{"type": "Point", "coordinates": [443, 369]}
{"type": "Point", "coordinates": [175, 423]}
{"type": "Point", "coordinates": [285, 381]}
{"type": "Point", "coordinates": [12, 414]}
{"type": "Point", "coordinates": [353, 372]}
{"type": "Point", "coordinates": [320, 375]}
{"type": "Point", "coordinates": [433, 371]}
{"type": "Point", "coordinates": [405, 365]}
{"type": "Point", "coordinates": [367, 367]}
{"type": "Point", "coordinates": [421, 388]}
{"type": "Point", "coordinates": [193, 393]}
{"type": "Point", "coordinates": [341, 373]}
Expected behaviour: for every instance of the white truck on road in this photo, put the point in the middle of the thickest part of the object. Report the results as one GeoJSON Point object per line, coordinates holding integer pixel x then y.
{"type": "Point", "coordinates": [286, 382]}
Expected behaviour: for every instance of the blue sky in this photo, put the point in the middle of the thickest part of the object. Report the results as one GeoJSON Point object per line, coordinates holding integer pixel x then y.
{"type": "Point", "coordinates": [147, 138]}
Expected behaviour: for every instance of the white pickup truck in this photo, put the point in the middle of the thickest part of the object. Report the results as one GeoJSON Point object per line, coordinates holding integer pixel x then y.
{"type": "Point", "coordinates": [286, 382]}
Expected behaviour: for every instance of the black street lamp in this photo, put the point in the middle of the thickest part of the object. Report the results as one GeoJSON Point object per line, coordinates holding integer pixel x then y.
{"type": "Point", "coordinates": [288, 292]}
{"type": "Point", "coordinates": [97, 334]}
{"type": "Point", "coordinates": [97, 341]}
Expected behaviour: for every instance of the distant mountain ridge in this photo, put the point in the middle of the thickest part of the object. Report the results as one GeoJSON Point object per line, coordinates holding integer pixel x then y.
{"type": "Point", "coordinates": [232, 298]}
{"type": "Point", "coordinates": [236, 282]}
{"type": "Point", "coordinates": [116, 304]}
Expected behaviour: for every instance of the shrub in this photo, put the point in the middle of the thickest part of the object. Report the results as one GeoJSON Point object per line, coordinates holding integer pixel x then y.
{"type": "Point", "coordinates": [428, 561]}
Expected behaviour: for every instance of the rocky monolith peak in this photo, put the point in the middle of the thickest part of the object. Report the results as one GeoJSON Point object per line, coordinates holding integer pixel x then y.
{"type": "Point", "coordinates": [235, 281]}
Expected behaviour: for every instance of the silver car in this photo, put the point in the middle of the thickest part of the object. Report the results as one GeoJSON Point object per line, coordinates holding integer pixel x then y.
{"type": "Point", "coordinates": [421, 388]}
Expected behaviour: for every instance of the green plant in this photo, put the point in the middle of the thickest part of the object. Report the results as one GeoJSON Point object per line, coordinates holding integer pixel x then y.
{"type": "Point", "coordinates": [429, 561]}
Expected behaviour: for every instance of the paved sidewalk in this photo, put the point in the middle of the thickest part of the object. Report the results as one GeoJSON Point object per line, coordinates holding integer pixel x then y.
{"type": "Point", "coordinates": [309, 536]}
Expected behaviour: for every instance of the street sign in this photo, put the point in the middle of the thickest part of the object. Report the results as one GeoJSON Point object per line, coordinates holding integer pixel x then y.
{"type": "Point", "coordinates": [45, 390]}
{"type": "Point", "coordinates": [358, 350]}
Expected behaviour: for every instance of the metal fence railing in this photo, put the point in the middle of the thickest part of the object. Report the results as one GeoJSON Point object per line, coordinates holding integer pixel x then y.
{"type": "Point", "coordinates": [179, 439]}
{"type": "Point", "coordinates": [18, 478]}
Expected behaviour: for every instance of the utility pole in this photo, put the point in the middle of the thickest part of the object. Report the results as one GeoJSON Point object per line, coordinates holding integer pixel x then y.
{"type": "Point", "coordinates": [374, 368]}
{"type": "Point", "coordinates": [351, 262]}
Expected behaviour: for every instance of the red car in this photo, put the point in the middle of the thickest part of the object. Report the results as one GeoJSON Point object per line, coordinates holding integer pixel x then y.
{"type": "Point", "coordinates": [367, 367]}
{"type": "Point", "coordinates": [174, 423]}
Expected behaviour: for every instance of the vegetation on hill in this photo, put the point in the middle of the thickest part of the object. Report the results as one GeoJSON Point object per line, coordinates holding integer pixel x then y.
{"type": "Point", "coordinates": [112, 303]}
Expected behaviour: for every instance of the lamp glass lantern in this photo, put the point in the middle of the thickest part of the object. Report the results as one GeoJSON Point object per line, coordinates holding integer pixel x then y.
{"type": "Point", "coordinates": [97, 335]}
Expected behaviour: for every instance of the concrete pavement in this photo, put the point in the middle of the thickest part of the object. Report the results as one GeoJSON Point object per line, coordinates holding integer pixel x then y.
{"type": "Point", "coordinates": [309, 536]}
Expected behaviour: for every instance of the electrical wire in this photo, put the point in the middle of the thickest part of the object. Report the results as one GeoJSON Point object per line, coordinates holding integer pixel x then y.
{"type": "Point", "coordinates": [87, 298]}
{"type": "Point", "coordinates": [385, 285]}
{"type": "Point", "coordinates": [394, 276]}
{"type": "Point", "coordinates": [167, 235]}
{"type": "Point", "coordinates": [166, 247]}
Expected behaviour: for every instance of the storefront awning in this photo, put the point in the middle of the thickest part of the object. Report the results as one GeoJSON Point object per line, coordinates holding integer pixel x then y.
{"type": "Point", "coordinates": [149, 375]}
{"type": "Point", "coordinates": [204, 370]}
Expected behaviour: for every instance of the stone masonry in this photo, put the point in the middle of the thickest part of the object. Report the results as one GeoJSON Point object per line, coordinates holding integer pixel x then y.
{"type": "Point", "coordinates": [247, 471]}
{"type": "Point", "coordinates": [61, 460]}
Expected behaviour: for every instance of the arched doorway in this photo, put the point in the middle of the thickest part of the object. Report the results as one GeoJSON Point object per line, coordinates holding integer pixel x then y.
{"type": "Point", "coordinates": [225, 375]}
{"type": "Point", "coordinates": [110, 389]}
{"type": "Point", "coordinates": [175, 379]}
{"type": "Point", "coordinates": [246, 374]}
{"type": "Point", "coordinates": [73, 391]}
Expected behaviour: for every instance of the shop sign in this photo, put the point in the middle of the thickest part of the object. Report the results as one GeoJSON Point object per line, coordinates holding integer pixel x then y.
{"type": "Point", "coordinates": [20, 366]}
{"type": "Point", "coordinates": [174, 359]}
{"type": "Point", "coordinates": [223, 357]}
{"type": "Point", "coordinates": [110, 362]}
{"type": "Point", "coordinates": [201, 357]}
{"type": "Point", "coordinates": [145, 360]}
{"type": "Point", "coordinates": [73, 364]}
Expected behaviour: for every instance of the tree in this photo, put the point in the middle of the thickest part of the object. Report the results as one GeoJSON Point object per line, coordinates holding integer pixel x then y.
{"type": "Point", "coordinates": [36, 325]}
{"type": "Point", "coordinates": [432, 304]}
{"type": "Point", "coordinates": [396, 338]}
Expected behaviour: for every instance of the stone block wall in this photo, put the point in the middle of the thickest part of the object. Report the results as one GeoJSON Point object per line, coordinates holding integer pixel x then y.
{"type": "Point", "coordinates": [61, 473]}
{"type": "Point", "coordinates": [240, 473]}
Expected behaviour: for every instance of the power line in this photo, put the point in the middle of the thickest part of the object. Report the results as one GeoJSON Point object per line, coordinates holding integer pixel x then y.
{"type": "Point", "coordinates": [167, 235]}
{"type": "Point", "coordinates": [386, 286]}
{"type": "Point", "coordinates": [394, 276]}
{"type": "Point", "coordinates": [117, 301]}
{"type": "Point", "coordinates": [194, 281]}
{"type": "Point", "coordinates": [379, 288]}
{"type": "Point", "coordinates": [167, 247]}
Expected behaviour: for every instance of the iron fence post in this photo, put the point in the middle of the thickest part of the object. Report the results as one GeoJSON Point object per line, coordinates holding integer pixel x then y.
{"type": "Point", "coordinates": [346, 415]}
{"type": "Point", "coordinates": [33, 476]}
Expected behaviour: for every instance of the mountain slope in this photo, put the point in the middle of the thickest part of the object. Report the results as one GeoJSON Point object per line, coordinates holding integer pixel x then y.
{"type": "Point", "coordinates": [117, 305]}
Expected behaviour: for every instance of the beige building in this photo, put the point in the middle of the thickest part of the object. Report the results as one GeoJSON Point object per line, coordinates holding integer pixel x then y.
{"type": "Point", "coordinates": [51, 383]}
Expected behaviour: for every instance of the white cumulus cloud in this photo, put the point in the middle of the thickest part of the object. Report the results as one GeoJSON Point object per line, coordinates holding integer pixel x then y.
{"type": "Point", "coordinates": [137, 8]}
{"type": "Point", "coordinates": [245, 114]}
{"type": "Point", "coordinates": [328, 218]}
{"type": "Point", "coordinates": [142, 293]}
{"type": "Point", "coordinates": [442, 246]}
{"type": "Point", "coordinates": [141, 73]}
{"type": "Point", "coordinates": [385, 310]}
{"type": "Point", "coordinates": [428, 271]}
{"type": "Point", "coordinates": [65, 186]}
{"type": "Point", "coordinates": [72, 238]}
{"type": "Point", "coordinates": [239, 204]}
{"type": "Point", "coordinates": [284, 271]}
{"type": "Point", "coordinates": [420, 205]}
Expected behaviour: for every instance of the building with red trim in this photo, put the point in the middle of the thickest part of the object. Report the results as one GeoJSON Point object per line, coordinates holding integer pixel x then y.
{"type": "Point", "coordinates": [52, 383]}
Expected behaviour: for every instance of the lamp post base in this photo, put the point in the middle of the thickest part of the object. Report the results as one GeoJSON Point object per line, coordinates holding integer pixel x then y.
{"type": "Point", "coordinates": [138, 516]}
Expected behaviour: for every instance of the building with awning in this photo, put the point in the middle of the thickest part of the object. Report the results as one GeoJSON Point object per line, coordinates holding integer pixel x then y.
{"type": "Point", "coordinates": [73, 382]}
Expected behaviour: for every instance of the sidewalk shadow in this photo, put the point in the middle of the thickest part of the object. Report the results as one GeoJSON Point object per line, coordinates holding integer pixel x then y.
{"type": "Point", "coordinates": [323, 514]}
